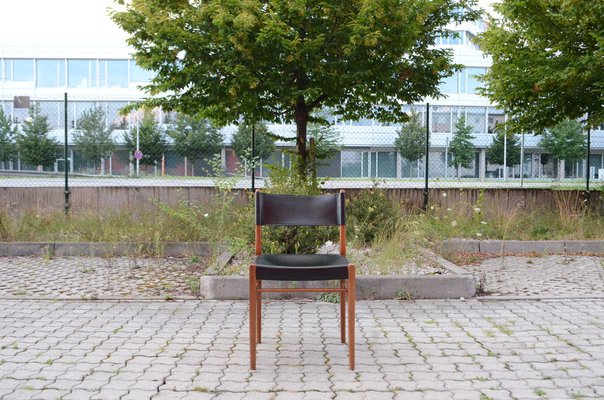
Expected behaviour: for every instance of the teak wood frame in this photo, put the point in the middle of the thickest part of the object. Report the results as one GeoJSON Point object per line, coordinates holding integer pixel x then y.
{"type": "Point", "coordinates": [346, 290]}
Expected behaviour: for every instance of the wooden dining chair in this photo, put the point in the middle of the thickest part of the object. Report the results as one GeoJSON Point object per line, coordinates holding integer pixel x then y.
{"type": "Point", "coordinates": [297, 210]}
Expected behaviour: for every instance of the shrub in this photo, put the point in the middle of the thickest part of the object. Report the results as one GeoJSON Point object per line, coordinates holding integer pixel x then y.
{"type": "Point", "coordinates": [371, 214]}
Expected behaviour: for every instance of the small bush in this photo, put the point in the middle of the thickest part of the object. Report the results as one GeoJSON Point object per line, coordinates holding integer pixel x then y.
{"type": "Point", "coordinates": [371, 214]}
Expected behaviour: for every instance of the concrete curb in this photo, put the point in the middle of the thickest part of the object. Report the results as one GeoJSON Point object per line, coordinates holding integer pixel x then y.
{"type": "Point", "coordinates": [457, 284]}
{"type": "Point", "coordinates": [370, 287]}
{"type": "Point", "coordinates": [101, 249]}
{"type": "Point", "coordinates": [517, 246]}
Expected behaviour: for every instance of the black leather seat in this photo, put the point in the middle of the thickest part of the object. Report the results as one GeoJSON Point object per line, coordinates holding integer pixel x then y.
{"type": "Point", "coordinates": [301, 267]}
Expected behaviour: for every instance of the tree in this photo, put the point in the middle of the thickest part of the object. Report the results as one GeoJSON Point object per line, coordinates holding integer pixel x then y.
{"type": "Point", "coordinates": [565, 141]}
{"type": "Point", "coordinates": [195, 138]}
{"type": "Point", "coordinates": [547, 61]}
{"type": "Point", "coordinates": [34, 144]}
{"type": "Point", "coordinates": [93, 137]}
{"type": "Point", "coordinates": [411, 139]}
{"type": "Point", "coordinates": [264, 142]}
{"type": "Point", "coordinates": [461, 146]}
{"type": "Point", "coordinates": [504, 142]}
{"type": "Point", "coordinates": [7, 138]}
{"type": "Point", "coordinates": [327, 141]}
{"type": "Point", "coordinates": [283, 61]}
{"type": "Point", "coordinates": [152, 141]}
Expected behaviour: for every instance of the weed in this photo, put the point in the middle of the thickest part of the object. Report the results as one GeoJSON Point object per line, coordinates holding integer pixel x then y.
{"type": "Point", "coordinates": [540, 392]}
{"type": "Point", "coordinates": [49, 361]}
{"type": "Point", "coordinates": [116, 330]}
{"type": "Point", "coordinates": [329, 297]}
{"type": "Point", "coordinates": [484, 397]}
{"type": "Point", "coordinates": [192, 282]}
{"type": "Point", "coordinates": [169, 297]}
{"type": "Point", "coordinates": [200, 389]}
{"type": "Point", "coordinates": [402, 295]}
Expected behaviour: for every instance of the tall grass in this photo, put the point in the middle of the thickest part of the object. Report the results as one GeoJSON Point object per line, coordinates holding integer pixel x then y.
{"type": "Point", "coordinates": [393, 228]}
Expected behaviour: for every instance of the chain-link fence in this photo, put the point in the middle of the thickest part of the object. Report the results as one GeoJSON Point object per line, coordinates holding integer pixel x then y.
{"type": "Point", "coordinates": [467, 148]}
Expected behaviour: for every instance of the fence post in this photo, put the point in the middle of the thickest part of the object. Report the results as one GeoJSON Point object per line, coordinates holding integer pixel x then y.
{"type": "Point", "coordinates": [67, 192]}
{"type": "Point", "coordinates": [425, 207]}
{"type": "Point", "coordinates": [586, 194]}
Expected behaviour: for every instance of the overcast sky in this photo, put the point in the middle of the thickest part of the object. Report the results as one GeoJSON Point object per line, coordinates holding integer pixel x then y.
{"type": "Point", "coordinates": [77, 22]}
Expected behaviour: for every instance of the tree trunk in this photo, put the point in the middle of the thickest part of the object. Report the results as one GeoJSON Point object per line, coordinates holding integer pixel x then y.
{"type": "Point", "coordinates": [301, 118]}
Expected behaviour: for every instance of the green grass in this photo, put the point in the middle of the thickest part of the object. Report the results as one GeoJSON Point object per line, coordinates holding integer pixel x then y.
{"type": "Point", "coordinates": [399, 235]}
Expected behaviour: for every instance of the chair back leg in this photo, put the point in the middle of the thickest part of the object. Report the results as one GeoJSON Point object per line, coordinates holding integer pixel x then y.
{"type": "Point", "coordinates": [253, 323]}
{"type": "Point", "coordinates": [343, 311]}
{"type": "Point", "coordinates": [259, 313]}
{"type": "Point", "coordinates": [351, 310]}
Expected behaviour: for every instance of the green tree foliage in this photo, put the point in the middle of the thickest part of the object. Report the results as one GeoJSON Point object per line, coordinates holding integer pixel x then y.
{"type": "Point", "coordinates": [278, 60]}
{"type": "Point", "coordinates": [152, 140]}
{"type": "Point", "coordinates": [411, 139]}
{"type": "Point", "coordinates": [548, 61]}
{"type": "Point", "coordinates": [93, 137]}
{"type": "Point", "coordinates": [264, 142]}
{"type": "Point", "coordinates": [327, 141]}
{"type": "Point", "coordinates": [461, 147]}
{"type": "Point", "coordinates": [565, 141]}
{"type": "Point", "coordinates": [7, 137]}
{"type": "Point", "coordinates": [34, 144]}
{"type": "Point", "coordinates": [495, 152]}
{"type": "Point", "coordinates": [195, 138]}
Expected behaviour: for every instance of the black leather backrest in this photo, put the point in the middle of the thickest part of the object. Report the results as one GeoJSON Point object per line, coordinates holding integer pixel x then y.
{"type": "Point", "coordinates": [283, 209]}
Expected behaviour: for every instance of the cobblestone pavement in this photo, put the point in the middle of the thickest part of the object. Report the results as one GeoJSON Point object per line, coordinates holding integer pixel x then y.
{"type": "Point", "coordinates": [98, 278]}
{"type": "Point", "coordinates": [559, 275]}
{"type": "Point", "coordinates": [520, 349]}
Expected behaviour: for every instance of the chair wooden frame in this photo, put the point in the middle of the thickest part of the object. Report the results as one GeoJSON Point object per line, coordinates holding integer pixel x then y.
{"type": "Point", "coordinates": [346, 290]}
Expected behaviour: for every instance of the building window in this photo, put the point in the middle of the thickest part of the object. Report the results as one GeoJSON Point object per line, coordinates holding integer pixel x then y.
{"type": "Point", "coordinates": [139, 74]}
{"type": "Point", "coordinates": [19, 70]}
{"type": "Point", "coordinates": [113, 73]}
{"type": "Point", "coordinates": [470, 83]}
{"type": "Point", "coordinates": [82, 73]}
{"type": "Point", "coordinates": [495, 117]}
{"type": "Point", "coordinates": [386, 164]}
{"type": "Point", "coordinates": [449, 85]}
{"type": "Point", "coordinates": [50, 73]}
{"type": "Point", "coordinates": [440, 119]}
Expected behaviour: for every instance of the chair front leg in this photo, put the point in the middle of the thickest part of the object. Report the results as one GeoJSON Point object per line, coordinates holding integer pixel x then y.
{"type": "Point", "coordinates": [253, 310]}
{"type": "Point", "coordinates": [343, 311]}
{"type": "Point", "coordinates": [351, 310]}
{"type": "Point", "coordinates": [259, 313]}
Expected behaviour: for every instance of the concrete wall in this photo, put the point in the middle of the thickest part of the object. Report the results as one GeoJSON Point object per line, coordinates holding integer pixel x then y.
{"type": "Point", "coordinates": [109, 199]}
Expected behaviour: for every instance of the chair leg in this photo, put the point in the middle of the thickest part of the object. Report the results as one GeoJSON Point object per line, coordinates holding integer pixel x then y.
{"type": "Point", "coordinates": [259, 313]}
{"type": "Point", "coordinates": [253, 309]}
{"type": "Point", "coordinates": [351, 310]}
{"type": "Point", "coordinates": [342, 312]}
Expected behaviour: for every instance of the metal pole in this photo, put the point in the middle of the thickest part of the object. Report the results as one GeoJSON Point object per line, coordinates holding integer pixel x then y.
{"type": "Point", "coordinates": [586, 195]}
{"type": "Point", "coordinates": [252, 163]}
{"type": "Point", "coordinates": [425, 207]}
{"type": "Point", "coordinates": [67, 193]}
{"type": "Point", "coordinates": [505, 155]}
{"type": "Point", "coordinates": [522, 160]}
{"type": "Point", "coordinates": [137, 144]}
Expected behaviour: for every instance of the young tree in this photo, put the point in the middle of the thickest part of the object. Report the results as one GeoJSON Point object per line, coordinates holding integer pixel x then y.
{"type": "Point", "coordinates": [7, 138]}
{"type": "Point", "coordinates": [411, 139]}
{"type": "Point", "coordinates": [565, 141]}
{"type": "Point", "coordinates": [93, 137]}
{"type": "Point", "coordinates": [327, 141]}
{"type": "Point", "coordinates": [34, 144]}
{"type": "Point", "coordinates": [547, 61]}
{"type": "Point", "coordinates": [152, 141]}
{"type": "Point", "coordinates": [264, 142]}
{"type": "Point", "coordinates": [277, 60]}
{"type": "Point", "coordinates": [195, 138]}
{"type": "Point", "coordinates": [461, 146]}
{"type": "Point", "coordinates": [504, 142]}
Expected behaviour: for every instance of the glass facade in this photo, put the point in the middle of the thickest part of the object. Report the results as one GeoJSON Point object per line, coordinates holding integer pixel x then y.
{"type": "Point", "coordinates": [73, 73]}
{"type": "Point", "coordinates": [50, 73]}
{"type": "Point", "coordinates": [82, 73]}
